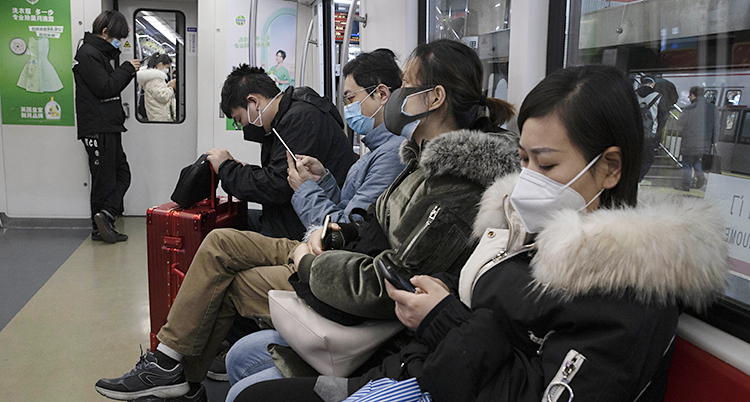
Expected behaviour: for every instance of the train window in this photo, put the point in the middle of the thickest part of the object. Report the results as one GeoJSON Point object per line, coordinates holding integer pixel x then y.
{"type": "Point", "coordinates": [160, 84]}
{"type": "Point", "coordinates": [680, 53]}
{"type": "Point", "coordinates": [733, 97]}
{"type": "Point", "coordinates": [483, 25]}
{"type": "Point", "coordinates": [710, 96]}
{"type": "Point", "coordinates": [728, 128]}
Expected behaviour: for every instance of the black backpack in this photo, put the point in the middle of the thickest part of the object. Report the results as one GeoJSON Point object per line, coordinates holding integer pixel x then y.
{"type": "Point", "coordinates": [648, 120]}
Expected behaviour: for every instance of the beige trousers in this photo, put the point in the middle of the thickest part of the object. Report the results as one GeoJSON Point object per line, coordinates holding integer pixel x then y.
{"type": "Point", "coordinates": [232, 272]}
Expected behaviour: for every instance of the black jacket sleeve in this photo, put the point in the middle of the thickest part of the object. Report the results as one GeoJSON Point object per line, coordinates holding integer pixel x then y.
{"type": "Point", "coordinates": [102, 83]}
{"type": "Point", "coordinates": [301, 128]}
{"type": "Point", "coordinates": [264, 185]}
{"type": "Point", "coordinates": [475, 354]}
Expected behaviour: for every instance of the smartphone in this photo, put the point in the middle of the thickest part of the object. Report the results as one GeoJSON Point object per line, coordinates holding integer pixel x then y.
{"type": "Point", "coordinates": [389, 273]}
{"type": "Point", "coordinates": [284, 143]}
{"type": "Point", "coordinates": [324, 232]}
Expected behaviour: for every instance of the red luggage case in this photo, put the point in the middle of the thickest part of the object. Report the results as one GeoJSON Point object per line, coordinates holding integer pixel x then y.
{"type": "Point", "coordinates": [173, 235]}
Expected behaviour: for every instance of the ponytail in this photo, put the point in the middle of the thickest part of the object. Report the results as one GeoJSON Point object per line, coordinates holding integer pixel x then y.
{"type": "Point", "coordinates": [500, 112]}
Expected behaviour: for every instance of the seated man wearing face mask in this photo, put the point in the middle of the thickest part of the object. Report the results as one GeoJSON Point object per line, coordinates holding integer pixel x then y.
{"type": "Point", "coordinates": [233, 270]}
{"type": "Point", "coordinates": [369, 80]}
{"type": "Point", "coordinates": [308, 124]}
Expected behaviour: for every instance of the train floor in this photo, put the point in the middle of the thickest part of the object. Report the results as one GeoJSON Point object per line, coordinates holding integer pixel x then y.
{"type": "Point", "coordinates": [72, 310]}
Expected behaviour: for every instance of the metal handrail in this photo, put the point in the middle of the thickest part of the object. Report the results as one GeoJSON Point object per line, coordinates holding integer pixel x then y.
{"type": "Point", "coordinates": [252, 31]}
{"type": "Point", "coordinates": [308, 42]}
{"type": "Point", "coordinates": [670, 154]}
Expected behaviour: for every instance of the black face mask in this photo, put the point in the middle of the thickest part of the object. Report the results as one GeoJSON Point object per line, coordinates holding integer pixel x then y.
{"type": "Point", "coordinates": [253, 133]}
{"type": "Point", "coordinates": [395, 120]}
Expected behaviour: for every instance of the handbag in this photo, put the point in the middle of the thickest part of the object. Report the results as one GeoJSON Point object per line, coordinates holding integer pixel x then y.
{"type": "Point", "coordinates": [712, 161]}
{"type": "Point", "coordinates": [330, 348]}
{"type": "Point", "coordinates": [196, 183]}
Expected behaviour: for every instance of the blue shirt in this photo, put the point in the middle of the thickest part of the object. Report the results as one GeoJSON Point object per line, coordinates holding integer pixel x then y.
{"type": "Point", "coordinates": [366, 180]}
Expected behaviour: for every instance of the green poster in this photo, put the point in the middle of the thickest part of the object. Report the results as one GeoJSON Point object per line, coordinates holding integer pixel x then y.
{"type": "Point", "coordinates": [36, 79]}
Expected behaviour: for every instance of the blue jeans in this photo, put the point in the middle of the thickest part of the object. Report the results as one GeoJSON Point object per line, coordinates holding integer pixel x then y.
{"type": "Point", "coordinates": [690, 162]}
{"type": "Point", "coordinates": [249, 362]}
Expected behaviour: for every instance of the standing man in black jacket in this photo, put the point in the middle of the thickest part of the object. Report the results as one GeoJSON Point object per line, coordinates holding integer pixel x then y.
{"type": "Point", "coordinates": [308, 123]}
{"type": "Point", "coordinates": [100, 119]}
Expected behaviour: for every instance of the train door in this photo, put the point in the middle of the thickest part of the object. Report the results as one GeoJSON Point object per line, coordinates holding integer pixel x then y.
{"type": "Point", "coordinates": [162, 129]}
{"type": "Point", "coordinates": [161, 137]}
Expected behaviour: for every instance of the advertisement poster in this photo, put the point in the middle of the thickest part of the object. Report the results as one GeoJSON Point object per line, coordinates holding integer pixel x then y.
{"type": "Point", "coordinates": [36, 79]}
{"type": "Point", "coordinates": [732, 195]}
{"type": "Point", "coordinates": [275, 37]}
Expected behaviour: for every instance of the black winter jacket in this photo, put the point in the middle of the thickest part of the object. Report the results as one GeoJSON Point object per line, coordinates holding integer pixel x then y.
{"type": "Point", "coordinates": [310, 125]}
{"type": "Point", "coordinates": [606, 285]}
{"type": "Point", "coordinates": [98, 87]}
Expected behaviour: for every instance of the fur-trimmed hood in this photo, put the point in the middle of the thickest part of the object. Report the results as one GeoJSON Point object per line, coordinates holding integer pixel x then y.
{"type": "Point", "coordinates": [469, 154]}
{"type": "Point", "coordinates": [148, 74]}
{"type": "Point", "coordinates": [668, 249]}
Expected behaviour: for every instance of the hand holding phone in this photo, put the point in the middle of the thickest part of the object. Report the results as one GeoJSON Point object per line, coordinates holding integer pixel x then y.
{"type": "Point", "coordinates": [389, 273]}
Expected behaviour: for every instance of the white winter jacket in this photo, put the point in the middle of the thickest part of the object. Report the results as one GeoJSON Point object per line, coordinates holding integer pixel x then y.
{"type": "Point", "coordinates": [158, 97]}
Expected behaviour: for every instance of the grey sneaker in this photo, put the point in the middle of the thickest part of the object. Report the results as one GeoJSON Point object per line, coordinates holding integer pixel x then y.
{"type": "Point", "coordinates": [146, 379]}
{"type": "Point", "coordinates": [199, 396]}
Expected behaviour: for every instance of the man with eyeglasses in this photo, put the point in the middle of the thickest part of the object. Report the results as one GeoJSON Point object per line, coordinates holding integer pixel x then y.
{"type": "Point", "coordinates": [305, 121]}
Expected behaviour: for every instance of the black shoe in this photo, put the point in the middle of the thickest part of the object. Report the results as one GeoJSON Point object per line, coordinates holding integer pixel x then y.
{"type": "Point", "coordinates": [218, 369]}
{"type": "Point", "coordinates": [105, 223]}
{"type": "Point", "coordinates": [95, 236]}
{"type": "Point", "coordinates": [199, 396]}
{"type": "Point", "coordinates": [146, 379]}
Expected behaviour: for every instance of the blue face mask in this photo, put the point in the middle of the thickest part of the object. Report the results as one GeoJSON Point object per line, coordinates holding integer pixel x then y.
{"type": "Point", "coordinates": [116, 43]}
{"type": "Point", "coordinates": [356, 120]}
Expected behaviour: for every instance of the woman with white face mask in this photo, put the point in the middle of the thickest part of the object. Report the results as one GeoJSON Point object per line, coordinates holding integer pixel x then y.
{"type": "Point", "coordinates": [158, 89]}
{"type": "Point", "coordinates": [575, 288]}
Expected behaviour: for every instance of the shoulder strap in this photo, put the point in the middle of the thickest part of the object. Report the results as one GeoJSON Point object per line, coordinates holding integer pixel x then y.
{"type": "Point", "coordinates": [656, 98]}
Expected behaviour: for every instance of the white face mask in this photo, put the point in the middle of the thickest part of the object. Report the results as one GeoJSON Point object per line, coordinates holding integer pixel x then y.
{"type": "Point", "coordinates": [260, 113]}
{"type": "Point", "coordinates": [536, 197]}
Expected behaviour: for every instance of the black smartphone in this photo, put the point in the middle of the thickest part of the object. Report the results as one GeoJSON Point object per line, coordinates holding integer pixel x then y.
{"type": "Point", "coordinates": [390, 274]}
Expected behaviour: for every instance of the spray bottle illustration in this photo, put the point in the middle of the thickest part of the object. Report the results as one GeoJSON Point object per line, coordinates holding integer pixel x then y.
{"type": "Point", "coordinates": [52, 110]}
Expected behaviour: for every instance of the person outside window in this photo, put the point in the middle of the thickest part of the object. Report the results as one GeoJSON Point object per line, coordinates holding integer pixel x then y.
{"type": "Point", "coordinates": [158, 92]}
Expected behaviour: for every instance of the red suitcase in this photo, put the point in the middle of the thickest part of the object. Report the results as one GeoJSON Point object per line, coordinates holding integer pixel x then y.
{"type": "Point", "coordinates": [173, 235]}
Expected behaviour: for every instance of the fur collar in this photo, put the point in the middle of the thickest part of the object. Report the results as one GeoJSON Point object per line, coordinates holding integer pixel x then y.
{"type": "Point", "coordinates": [149, 74]}
{"type": "Point", "coordinates": [668, 249]}
{"type": "Point", "coordinates": [469, 154]}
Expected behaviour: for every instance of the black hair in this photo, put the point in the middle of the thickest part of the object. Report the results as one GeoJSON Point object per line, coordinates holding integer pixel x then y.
{"type": "Point", "coordinates": [374, 68]}
{"type": "Point", "coordinates": [599, 109]}
{"type": "Point", "coordinates": [697, 91]}
{"type": "Point", "coordinates": [157, 58]}
{"type": "Point", "coordinates": [283, 54]}
{"type": "Point", "coordinates": [458, 69]}
{"type": "Point", "coordinates": [114, 21]}
{"type": "Point", "coordinates": [243, 81]}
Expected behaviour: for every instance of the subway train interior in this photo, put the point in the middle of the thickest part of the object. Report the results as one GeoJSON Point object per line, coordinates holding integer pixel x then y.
{"type": "Point", "coordinates": [73, 310]}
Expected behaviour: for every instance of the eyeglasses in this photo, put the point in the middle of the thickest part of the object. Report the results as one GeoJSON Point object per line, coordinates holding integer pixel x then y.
{"type": "Point", "coordinates": [349, 98]}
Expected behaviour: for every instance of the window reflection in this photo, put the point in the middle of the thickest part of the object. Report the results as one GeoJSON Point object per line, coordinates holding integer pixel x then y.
{"type": "Point", "coordinates": [160, 86]}
{"type": "Point", "coordinates": [482, 25]}
{"type": "Point", "coordinates": [685, 47]}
